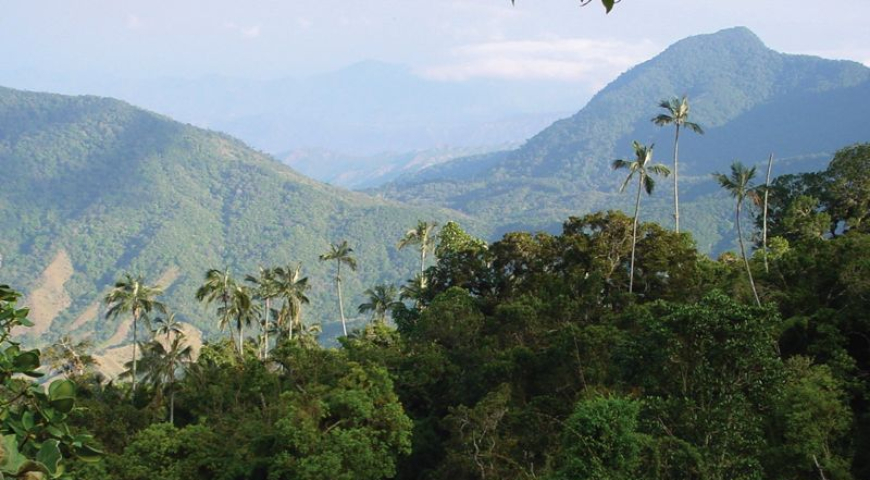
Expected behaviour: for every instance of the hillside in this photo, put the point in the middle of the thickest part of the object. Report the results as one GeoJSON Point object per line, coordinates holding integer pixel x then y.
{"type": "Point", "coordinates": [94, 187]}
{"type": "Point", "coordinates": [750, 99]}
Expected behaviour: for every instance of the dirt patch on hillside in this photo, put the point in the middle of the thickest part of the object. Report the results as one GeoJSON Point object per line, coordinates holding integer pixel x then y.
{"type": "Point", "coordinates": [111, 362]}
{"type": "Point", "coordinates": [49, 298]}
{"type": "Point", "coordinates": [90, 313]}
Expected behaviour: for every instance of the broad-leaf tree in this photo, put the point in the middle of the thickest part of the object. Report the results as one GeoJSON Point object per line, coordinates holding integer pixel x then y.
{"type": "Point", "coordinates": [643, 167]}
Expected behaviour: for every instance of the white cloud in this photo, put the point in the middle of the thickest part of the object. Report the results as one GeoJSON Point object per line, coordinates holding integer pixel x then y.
{"type": "Point", "coordinates": [246, 32]}
{"type": "Point", "coordinates": [566, 59]}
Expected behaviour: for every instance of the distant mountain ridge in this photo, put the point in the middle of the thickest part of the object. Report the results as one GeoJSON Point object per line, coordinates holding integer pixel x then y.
{"type": "Point", "coordinates": [362, 109]}
{"type": "Point", "coordinates": [751, 100]}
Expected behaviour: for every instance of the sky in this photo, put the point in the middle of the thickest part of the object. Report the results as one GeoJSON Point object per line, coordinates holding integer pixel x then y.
{"type": "Point", "coordinates": [447, 40]}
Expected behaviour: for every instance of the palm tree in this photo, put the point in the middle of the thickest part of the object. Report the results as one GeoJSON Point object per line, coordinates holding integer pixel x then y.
{"type": "Point", "coordinates": [244, 310]}
{"type": "Point", "coordinates": [341, 253]}
{"type": "Point", "coordinates": [643, 167]}
{"type": "Point", "coordinates": [162, 364]}
{"type": "Point", "coordinates": [291, 285]}
{"type": "Point", "coordinates": [424, 236]}
{"type": "Point", "coordinates": [70, 357]}
{"type": "Point", "coordinates": [414, 289]}
{"type": "Point", "coordinates": [266, 289]}
{"type": "Point", "coordinates": [168, 326]}
{"type": "Point", "coordinates": [218, 285]}
{"type": "Point", "coordinates": [678, 115]}
{"type": "Point", "coordinates": [764, 220]}
{"type": "Point", "coordinates": [381, 299]}
{"type": "Point", "coordinates": [132, 295]}
{"type": "Point", "coordinates": [739, 185]}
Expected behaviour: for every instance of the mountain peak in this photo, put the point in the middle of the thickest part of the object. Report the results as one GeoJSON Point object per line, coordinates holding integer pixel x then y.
{"type": "Point", "coordinates": [734, 39]}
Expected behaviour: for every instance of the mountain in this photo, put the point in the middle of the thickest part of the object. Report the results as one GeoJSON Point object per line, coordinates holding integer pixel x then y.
{"type": "Point", "coordinates": [93, 187]}
{"type": "Point", "coordinates": [362, 109]}
{"type": "Point", "coordinates": [360, 172]}
{"type": "Point", "coordinates": [750, 99]}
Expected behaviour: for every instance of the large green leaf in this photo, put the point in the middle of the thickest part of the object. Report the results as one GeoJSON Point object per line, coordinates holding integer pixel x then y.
{"type": "Point", "coordinates": [12, 460]}
{"type": "Point", "coordinates": [50, 456]}
{"type": "Point", "coordinates": [27, 361]}
{"type": "Point", "coordinates": [62, 394]}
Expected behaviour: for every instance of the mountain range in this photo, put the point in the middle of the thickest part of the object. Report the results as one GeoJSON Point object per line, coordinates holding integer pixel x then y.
{"type": "Point", "coordinates": [363, 109]}
{"type": "Point", "coordinates": [94, 187]}
{"type": "Point", "coordinates": [751, 100]}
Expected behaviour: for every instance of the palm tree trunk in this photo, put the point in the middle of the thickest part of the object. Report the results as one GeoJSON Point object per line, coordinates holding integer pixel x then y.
{"type": "Point", "coordinates": [241, 342]}
{"type": "Point", "coordinates": [268, 312]}
{"type": "Point", "coordinates": [677, 180]}
{"type": "Point", "coordinates": [743, 252]}
{"type": "Point", "coordinates": [135, 342]}
{"type": "Point", "coordinates": [422, 259]}
{"type": "Point", "coordinates": [172, 407]}
{"type": "Point", "coordinates": [340, 300]}
{"type": "Point", "coordinates": [634, 234]}
{"type": "Point", "coordinates": [764, 222]}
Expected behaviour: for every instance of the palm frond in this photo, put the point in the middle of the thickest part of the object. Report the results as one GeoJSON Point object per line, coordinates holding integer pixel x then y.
{"type": "Point", "coordinates": [648, 184]}
{"type": "Point", "coordinates": [662, 119]}
{"type": "Point", "coordinates": [694, 127]}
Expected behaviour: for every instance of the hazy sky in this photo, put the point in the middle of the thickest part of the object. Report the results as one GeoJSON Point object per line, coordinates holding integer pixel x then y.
{"type": "Point", "coordinates": [446, 39]}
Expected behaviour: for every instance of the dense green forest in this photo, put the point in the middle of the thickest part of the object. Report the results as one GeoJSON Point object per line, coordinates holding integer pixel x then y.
{"type": "Point", "coordinates": [524, 358]}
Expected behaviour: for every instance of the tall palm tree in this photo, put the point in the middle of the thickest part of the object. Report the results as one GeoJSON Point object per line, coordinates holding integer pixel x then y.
{"type": "Point", "coordinates": [218, 286]}
{"type": "Point", "coordinates": [740, 186]}
{"type": "Point", "coordinates": [132, 295]}
{"type": "Point", "coordinates": [764, 219]}
{"type": "Point", "coordinates": [644, 168]}
{"type": "Point", "coordinates": [291, 286]}
{"type": "Point", "coordinates": [168, 326]}
{"type": "Point", "coordinates": [266, 288]}
{"type": "Point", "coordinates": [677, 115]}
{"type": "Point", "coordinates": [244, 311]}
{"type": "Point", "coordinates": [162, 363]}
{"type": "Point", "coordinates": [341, 253]}
{"type": "Point", "coordinates": [381, 299]}
{"type": "Point", "coordinates": [424, 236]}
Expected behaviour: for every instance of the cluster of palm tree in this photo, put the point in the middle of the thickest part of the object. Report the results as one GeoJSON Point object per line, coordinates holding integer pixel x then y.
{"type": "Point", "coordinates": [246, 305]}
{"type": "Point", "coordinates": [739, 183]}
{"type": "Point", "coordinates": [272, 300]}
{"type": "Point", "coordinates": [163, 360]}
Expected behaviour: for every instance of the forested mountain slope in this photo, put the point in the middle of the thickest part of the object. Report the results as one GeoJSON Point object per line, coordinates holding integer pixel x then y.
{"type": "Point", "coordinates": [750, 100]}
{"type": "Point", "coordinates": [93, 187]}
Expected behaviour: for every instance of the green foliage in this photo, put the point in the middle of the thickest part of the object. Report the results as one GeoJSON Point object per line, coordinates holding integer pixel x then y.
{"type": "Point", "coordinates": [35, 440]}
{"type": "Point", "coordinates": [600, 441]}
